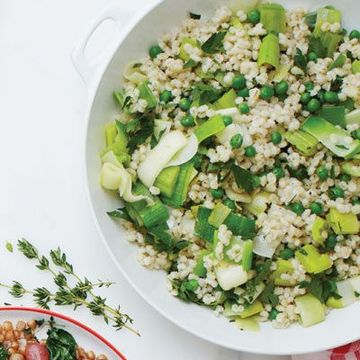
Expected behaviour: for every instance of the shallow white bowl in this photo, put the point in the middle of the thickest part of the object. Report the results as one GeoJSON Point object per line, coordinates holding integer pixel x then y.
{"type": "Point", "coordinates": [84, 336]}
{"type": "Point", "coordinates": [340, 327]}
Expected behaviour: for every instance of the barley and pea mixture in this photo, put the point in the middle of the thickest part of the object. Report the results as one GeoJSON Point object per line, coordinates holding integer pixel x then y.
{"type": "Point", "coordinates": [237, 155]}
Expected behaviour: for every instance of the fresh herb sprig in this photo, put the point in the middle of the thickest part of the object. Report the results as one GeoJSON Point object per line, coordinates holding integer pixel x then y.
{"type": "Point", "coordinates": [82, 294]}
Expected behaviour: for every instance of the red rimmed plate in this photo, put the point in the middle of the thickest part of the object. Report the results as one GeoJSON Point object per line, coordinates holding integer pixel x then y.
{"type": "Point", "coordinates": [86, 337]}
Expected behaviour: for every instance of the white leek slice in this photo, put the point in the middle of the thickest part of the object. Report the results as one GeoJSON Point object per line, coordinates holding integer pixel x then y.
{"type": "Point", "coordinates": [353, 117]}
{"type": "Point", "coordinates": [114, 177]}
{"type": "Point", "coordinates": [161, 126]}
{"type": "Point", "coordinates": [346, 290]}
{"type": "Point", "coordinates": [110, 157]}
{"type": "Point", "coordinates": [233, 195]}
{"type": "Point", "coordinates": [133, 74]}
{"type": "Point", "coordinates": [249, 324]}
{"type": "Point", "coordinates": [262, 247]}
{"type": "Point", "coordinates": [312, 311]}
{"type": "Point", "coordinates": [225, 136]}
{"type": "Point", "coordinates": [158, 158]}
{"type": "Point", "coordinates": [186, 153]}
{"type": "Point", "coordinates": [244, 5]}
{"type": "Point", "coordinates": [233, 111]}
{"type": "Point", "coordinates": [230, 275]}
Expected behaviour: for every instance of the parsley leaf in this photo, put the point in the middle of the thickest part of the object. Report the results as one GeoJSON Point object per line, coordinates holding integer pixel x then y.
{"type": "Point", "coordinates": [145, 129]}
{"type": "Point", "coordinates": [190, 64]}
{"type": "Point", "coordinates": [268, 296]}
{"type": "Point", "coordinates": [123, 100]}
{"type": "Point", "coordinates": [316, 46]}
{"type": "Point", "coordinates": [245, 179]}
{"type": "Point", "coordinates": [214, 43]}
{"type": "Point", "coordinates": [161, 239]}
{"type": "Point", "coordinates": [119, 214]}
{"type": "Point", "coordinates": [322, 288]}
{"type": "Point", "coordinates": [204, 94]}
{"type": "Point", "coordinates": [300, 60]}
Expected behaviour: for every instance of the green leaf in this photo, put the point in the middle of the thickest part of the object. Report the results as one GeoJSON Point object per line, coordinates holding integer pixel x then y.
{"type": "Point", "coordinates": [245, 179]}
{"type": "Point", "coordinates": [316, 46]}
{"type": "Point", "coordinates": [300, 60]}
{"type": "Point", "coordinates": [121, 98]}
{"type": "Point", "coordinates": [205, 94]}
{"type": "Point", "coordinates": [321, 287]}
{"type": "Point", "coordinates": [190, 64]}
{"type": "Point", "coordinates": [61, 344]}
{"type": "Point", "coordinates": [120, 213]}
{"type": "Point", "coordinates": [268, 296]}
{"type": "Point", "coordinates": [146, 129]}
{"type": "Point", "coordinates": [310, 19]}
{"type": "Point", "coordinates": [338, 62]}
{"type": "Point", "coordinates": [3, 353]}
{"type": "Point", "coordinates": [214, 43]}
{"type": "Point", "coordinates": [202, 227]}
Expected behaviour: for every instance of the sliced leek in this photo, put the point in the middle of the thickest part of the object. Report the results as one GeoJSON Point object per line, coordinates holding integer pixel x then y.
{"type": "Point", "coordinates": [158, 158]}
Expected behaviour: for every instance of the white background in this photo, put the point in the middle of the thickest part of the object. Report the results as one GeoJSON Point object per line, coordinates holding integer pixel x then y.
{"type": "Point", "coordinates": [42, 195]}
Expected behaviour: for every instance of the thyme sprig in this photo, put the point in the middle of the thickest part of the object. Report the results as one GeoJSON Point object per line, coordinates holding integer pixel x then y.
{"type": "Point", "coordinates": [80, 294]}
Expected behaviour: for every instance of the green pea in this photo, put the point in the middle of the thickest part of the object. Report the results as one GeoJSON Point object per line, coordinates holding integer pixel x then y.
{"type": "Point", "coordinates": [286, 254]}
{"type": "Point", "coordinates": [239, 82]}
{"type": "Point", "coordinates": [354, 34]}
{"type": "Point", "coordinates": [309, 86]}
{"type": "Point", "coordinates": [191, 285]}
{"type": "Point", "coordinates": [266, 92]}
{"type": "Point", "coordinates": [244, 108]}
{"type": "Point", "coordinates": [316, 208]}
{"type": "Point", "coordinates": [331, 97]}
{"type": "Point", "coordinates": [217, 193]}
{"type": "Point", "coordinates": [322, 173]}
{"type": "Point", "coordinates": [253, 16]}
{"type": "Point", "coordinates": [187, 121]}
{"type": "Point", "coordinates": [312, 56]}
{"type": "Point", "coordinates": [344, 177]}
{"type": "Point", "coordinates": [154, 51]}
{"type": "Point", "coordinates": [227, 120]}
{"type": "Point", "coordinates": [230, 204]}
{"type": "Point", "coordinates": [305, 98]}
{"type": "Point", "coordinates": [356, 134]}
{"type": "Point", "coordinates": [250, 151]}
{"type": "Point", "coordinates": [335, 192]}
{"type": "Point", "coordinates": [166, 96]}
{"type": "Point", "coordinates": [297, 208]}
{"type": "Point", "coordinates": [313, 105]}
{"type": "Point", "coordinates": [276, 138]}
{"type": "Point", "coordinates": [278, 172]}
{"type": "Point", "coordinates": [184, 104]}
{"type": "Point", "coordinates": [244, 92]}
{"type": "Point", "coordinates": [281, 88]}
{"type": "Point", "coordinates": [236, 141]}
{"type": "Point", "coordinates": [330, 242]}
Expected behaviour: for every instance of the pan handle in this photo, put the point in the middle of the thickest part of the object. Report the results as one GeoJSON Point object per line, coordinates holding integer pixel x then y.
{"type": "Point", "coordinates": [88, 69]}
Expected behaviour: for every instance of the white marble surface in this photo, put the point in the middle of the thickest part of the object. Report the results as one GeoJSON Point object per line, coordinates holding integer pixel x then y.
{"type": "Point", "coordinates": [42, 195]}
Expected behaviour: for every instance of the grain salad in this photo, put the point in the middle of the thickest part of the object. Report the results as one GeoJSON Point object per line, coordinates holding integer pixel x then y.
{"type": "Point", "coordinates": [236, 155]}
